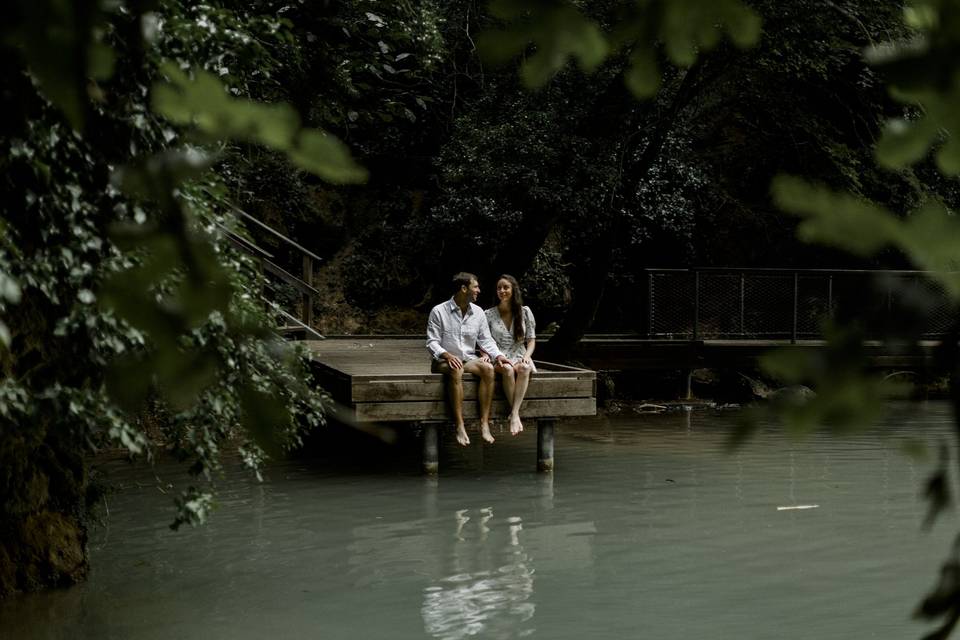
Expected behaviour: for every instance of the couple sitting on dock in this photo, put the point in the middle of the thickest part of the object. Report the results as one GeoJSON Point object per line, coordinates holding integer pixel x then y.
{"type": "Point", "coordinates": [506, 338]}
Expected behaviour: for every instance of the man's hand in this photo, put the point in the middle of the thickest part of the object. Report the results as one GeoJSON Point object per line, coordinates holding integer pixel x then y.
{"type": "Point", "coordinates": [502, 359]}
{"type": "Point", "coordinates": [452, 360]}
{"type": "Point", "coordinates": [484, 357]}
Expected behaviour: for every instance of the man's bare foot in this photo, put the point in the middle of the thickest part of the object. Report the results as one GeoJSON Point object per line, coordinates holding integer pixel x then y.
{"type": "Point", "coordinates": [515, 425]}
{"type": "Point", "coordinates": [485, 432]}
{"type": "Point", "coordinates": [462, 438]}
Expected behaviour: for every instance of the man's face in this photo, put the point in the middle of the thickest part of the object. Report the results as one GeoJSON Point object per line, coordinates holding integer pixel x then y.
{"type": "Point", "coordinates": [473, 291]}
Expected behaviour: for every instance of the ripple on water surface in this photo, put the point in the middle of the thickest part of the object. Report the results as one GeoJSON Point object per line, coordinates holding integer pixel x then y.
{"type": "Point", "coordinates": [648, 528]}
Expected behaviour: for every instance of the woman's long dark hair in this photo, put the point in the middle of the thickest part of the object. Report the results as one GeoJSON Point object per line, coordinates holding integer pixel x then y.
{"type": "Point", "coordinates": [516, 306]}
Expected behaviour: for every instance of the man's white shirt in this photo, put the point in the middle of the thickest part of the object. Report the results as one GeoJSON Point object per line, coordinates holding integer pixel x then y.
{"type": "Point", "coordinates": [459, 334]}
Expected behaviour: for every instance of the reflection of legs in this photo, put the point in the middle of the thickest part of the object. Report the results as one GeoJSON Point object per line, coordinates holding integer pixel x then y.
{"type": "Point", "coordinates": [520, 390]}
{"type": "Point", "coordinates": [483, 371]}
{"type": "Point", "coordinates": [455, 384]}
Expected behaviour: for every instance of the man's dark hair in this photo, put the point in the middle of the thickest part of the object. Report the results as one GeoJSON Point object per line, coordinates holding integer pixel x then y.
{"type": "Point", "coordinates": [462, 279]}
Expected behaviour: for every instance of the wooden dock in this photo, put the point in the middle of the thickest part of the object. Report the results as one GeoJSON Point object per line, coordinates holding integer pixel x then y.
{"type": "Point", "coordinates": [389, 380]}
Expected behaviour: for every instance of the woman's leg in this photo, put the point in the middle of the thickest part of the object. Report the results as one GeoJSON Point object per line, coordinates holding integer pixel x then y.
{"type": "Point", "coordinates": [519, 391]}
{"type": "Point", "coordinates": [509, 380]}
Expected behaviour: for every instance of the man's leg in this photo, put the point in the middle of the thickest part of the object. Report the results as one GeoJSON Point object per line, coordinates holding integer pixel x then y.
{"type": "Point", "coordinates": [455, 391]}
{"type": "Point", "coordinates": [485, 379]}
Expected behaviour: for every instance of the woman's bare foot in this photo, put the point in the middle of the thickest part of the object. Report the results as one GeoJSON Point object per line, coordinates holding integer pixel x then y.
{"type": "Point", "coordinates": [485, 432]}
{"type": "Point", "coordinates": [515, 425]}
{"type": "Point", "coordinates": [462, 438]}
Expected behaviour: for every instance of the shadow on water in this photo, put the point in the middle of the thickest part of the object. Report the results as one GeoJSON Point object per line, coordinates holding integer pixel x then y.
{"type": "Point", "coordinates": [343, 449]}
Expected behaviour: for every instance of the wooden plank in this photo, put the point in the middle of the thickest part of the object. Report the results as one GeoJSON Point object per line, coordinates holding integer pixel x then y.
{"type": "Point", "coordinates": [410, 411]}
{"type": "Point", "coordinates": [334, 382]}
{"type": "Point", "coordinates": [435, 388]}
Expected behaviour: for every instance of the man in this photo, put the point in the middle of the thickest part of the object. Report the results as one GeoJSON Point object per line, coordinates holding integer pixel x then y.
{"type": "Point", "coordinates": [454, 329]}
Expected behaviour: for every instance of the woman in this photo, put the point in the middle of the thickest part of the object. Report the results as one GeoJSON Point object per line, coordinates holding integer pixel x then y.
{"type": "Point", "coordinates": [514, 329]}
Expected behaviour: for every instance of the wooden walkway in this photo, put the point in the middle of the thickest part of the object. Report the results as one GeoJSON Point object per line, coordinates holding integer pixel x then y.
{"type": "Point", "coordinates": [389, 380]}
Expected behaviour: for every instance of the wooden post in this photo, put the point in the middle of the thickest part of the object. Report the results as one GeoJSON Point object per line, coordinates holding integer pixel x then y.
{"type": "Point", "coordinates": [696, 306]}
{"type": "Point", "coordinates": [796, 310]}
{"type": "Point", "coordinates": [545, 444]}
{"type": "Point", "coordinates": [306, 300]}
{"type": "Point", "coordinates": [431, 449]}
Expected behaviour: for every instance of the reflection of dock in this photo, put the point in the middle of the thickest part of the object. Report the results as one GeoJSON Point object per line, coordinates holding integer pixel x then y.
{"type": "Point", "coordinates": [389, 380]}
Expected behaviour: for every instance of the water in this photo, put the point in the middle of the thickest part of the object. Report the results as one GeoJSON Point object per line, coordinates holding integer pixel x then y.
{"type": "Point", "coordinates": [647, 529]}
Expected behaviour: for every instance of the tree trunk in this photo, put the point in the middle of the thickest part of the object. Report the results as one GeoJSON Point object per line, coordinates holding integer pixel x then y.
{"type": "Point", "coordinates": [590, 280]}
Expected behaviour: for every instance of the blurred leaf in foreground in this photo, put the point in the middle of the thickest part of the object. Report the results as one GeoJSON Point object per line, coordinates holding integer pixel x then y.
{"type": "Point", "coordinates": [929, 237]}
{"type": "Point", "coordinates": [202, 101]}
{"type": "Point", "coordinates": [559, 31]}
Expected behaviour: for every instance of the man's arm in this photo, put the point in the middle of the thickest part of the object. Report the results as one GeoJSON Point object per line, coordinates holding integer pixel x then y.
{"type": "Point", "coordinates": [434, 332]}
{"type": "Point", "coordinates": [486, 342]}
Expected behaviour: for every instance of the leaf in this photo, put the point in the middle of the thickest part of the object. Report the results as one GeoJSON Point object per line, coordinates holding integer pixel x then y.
{"type": "Point", "coordinates": [9, 288]}
{"type": "Point", "coordinates": [558, 31]}
{"type": "Point", "coordinates": [154, 177]}
{"type": "Point", "coordinates": [4, 334]}
{"type": "Point", "coordinates": [903, 143]}
{"type": "Point", "coordinates": [642, 76]}
{"type": "Point", "coordinates": [49, 40]}
{"type": "Point", "coordinates": [102, 61]}
{"type": "Point", "coordinates": [690, 26]}
{"type": "Point", "coordinates": [836, 219]}
{"type": "Point", "coordinates": [204, 103]}
{"type": "Point", "coordinates": [324, 155]}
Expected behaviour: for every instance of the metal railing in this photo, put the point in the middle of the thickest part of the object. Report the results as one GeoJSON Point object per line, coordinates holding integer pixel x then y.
{"type": "Point", "coordinates": [279, 282]}
{"type": "Point", "coordinates": [721, 303]}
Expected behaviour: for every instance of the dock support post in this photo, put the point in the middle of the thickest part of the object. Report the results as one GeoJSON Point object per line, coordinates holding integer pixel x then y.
{"type": "Point", "coordinates": [431, 450]}
{"type": "Point", "coordinates": [545, 444]}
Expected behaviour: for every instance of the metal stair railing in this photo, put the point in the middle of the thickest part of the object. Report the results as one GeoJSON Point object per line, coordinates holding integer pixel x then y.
{"type": "Point", "coordinates": [302, 319]}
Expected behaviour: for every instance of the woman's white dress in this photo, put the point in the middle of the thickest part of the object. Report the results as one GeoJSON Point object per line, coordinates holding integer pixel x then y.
{"type": "Point", "coordinates": [512, 349]}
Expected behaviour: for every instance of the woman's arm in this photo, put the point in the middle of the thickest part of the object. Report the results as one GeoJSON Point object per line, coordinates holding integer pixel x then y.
{"type": "Point", "coordinates": [531, 344]}
{"type": "Point", "coordinates": [530, 328]}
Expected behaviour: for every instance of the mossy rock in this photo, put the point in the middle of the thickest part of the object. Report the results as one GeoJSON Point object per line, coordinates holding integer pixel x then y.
{"type": "Point", "coordinates": [52, 551]}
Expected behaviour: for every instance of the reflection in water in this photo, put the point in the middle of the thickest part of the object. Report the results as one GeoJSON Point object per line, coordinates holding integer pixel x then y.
{"type": "Point", "coordinates": [648, 523]}
{"type": "Point", "coordinates": [476, 598]}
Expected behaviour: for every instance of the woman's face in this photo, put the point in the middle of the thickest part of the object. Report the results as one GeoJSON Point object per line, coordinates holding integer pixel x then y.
{"type": "Point", "coordinates": [504, 290]}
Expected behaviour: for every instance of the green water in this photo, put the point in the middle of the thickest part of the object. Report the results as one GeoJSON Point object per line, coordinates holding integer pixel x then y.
{"type": "Point", "coordinates": [647, 529]}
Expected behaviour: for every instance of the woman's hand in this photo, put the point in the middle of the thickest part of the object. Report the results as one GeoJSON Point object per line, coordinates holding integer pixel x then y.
{"type": "Point", "coordinates": [527, 360]}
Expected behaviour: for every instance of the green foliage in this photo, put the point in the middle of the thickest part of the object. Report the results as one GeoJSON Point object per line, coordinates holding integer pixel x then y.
{"type": "Point", "coordinates": [923, 71]}
{"type": "Point", "coordinates": [202, 102]}
{"type": "Point", "coordinates": [62, 43]}
{"type": "Point", "coordinates": [927, 236]}
{"type": "Point", "coordinates": [120, 293]}
{"type": "Point", "coordinates": [559, 31]}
